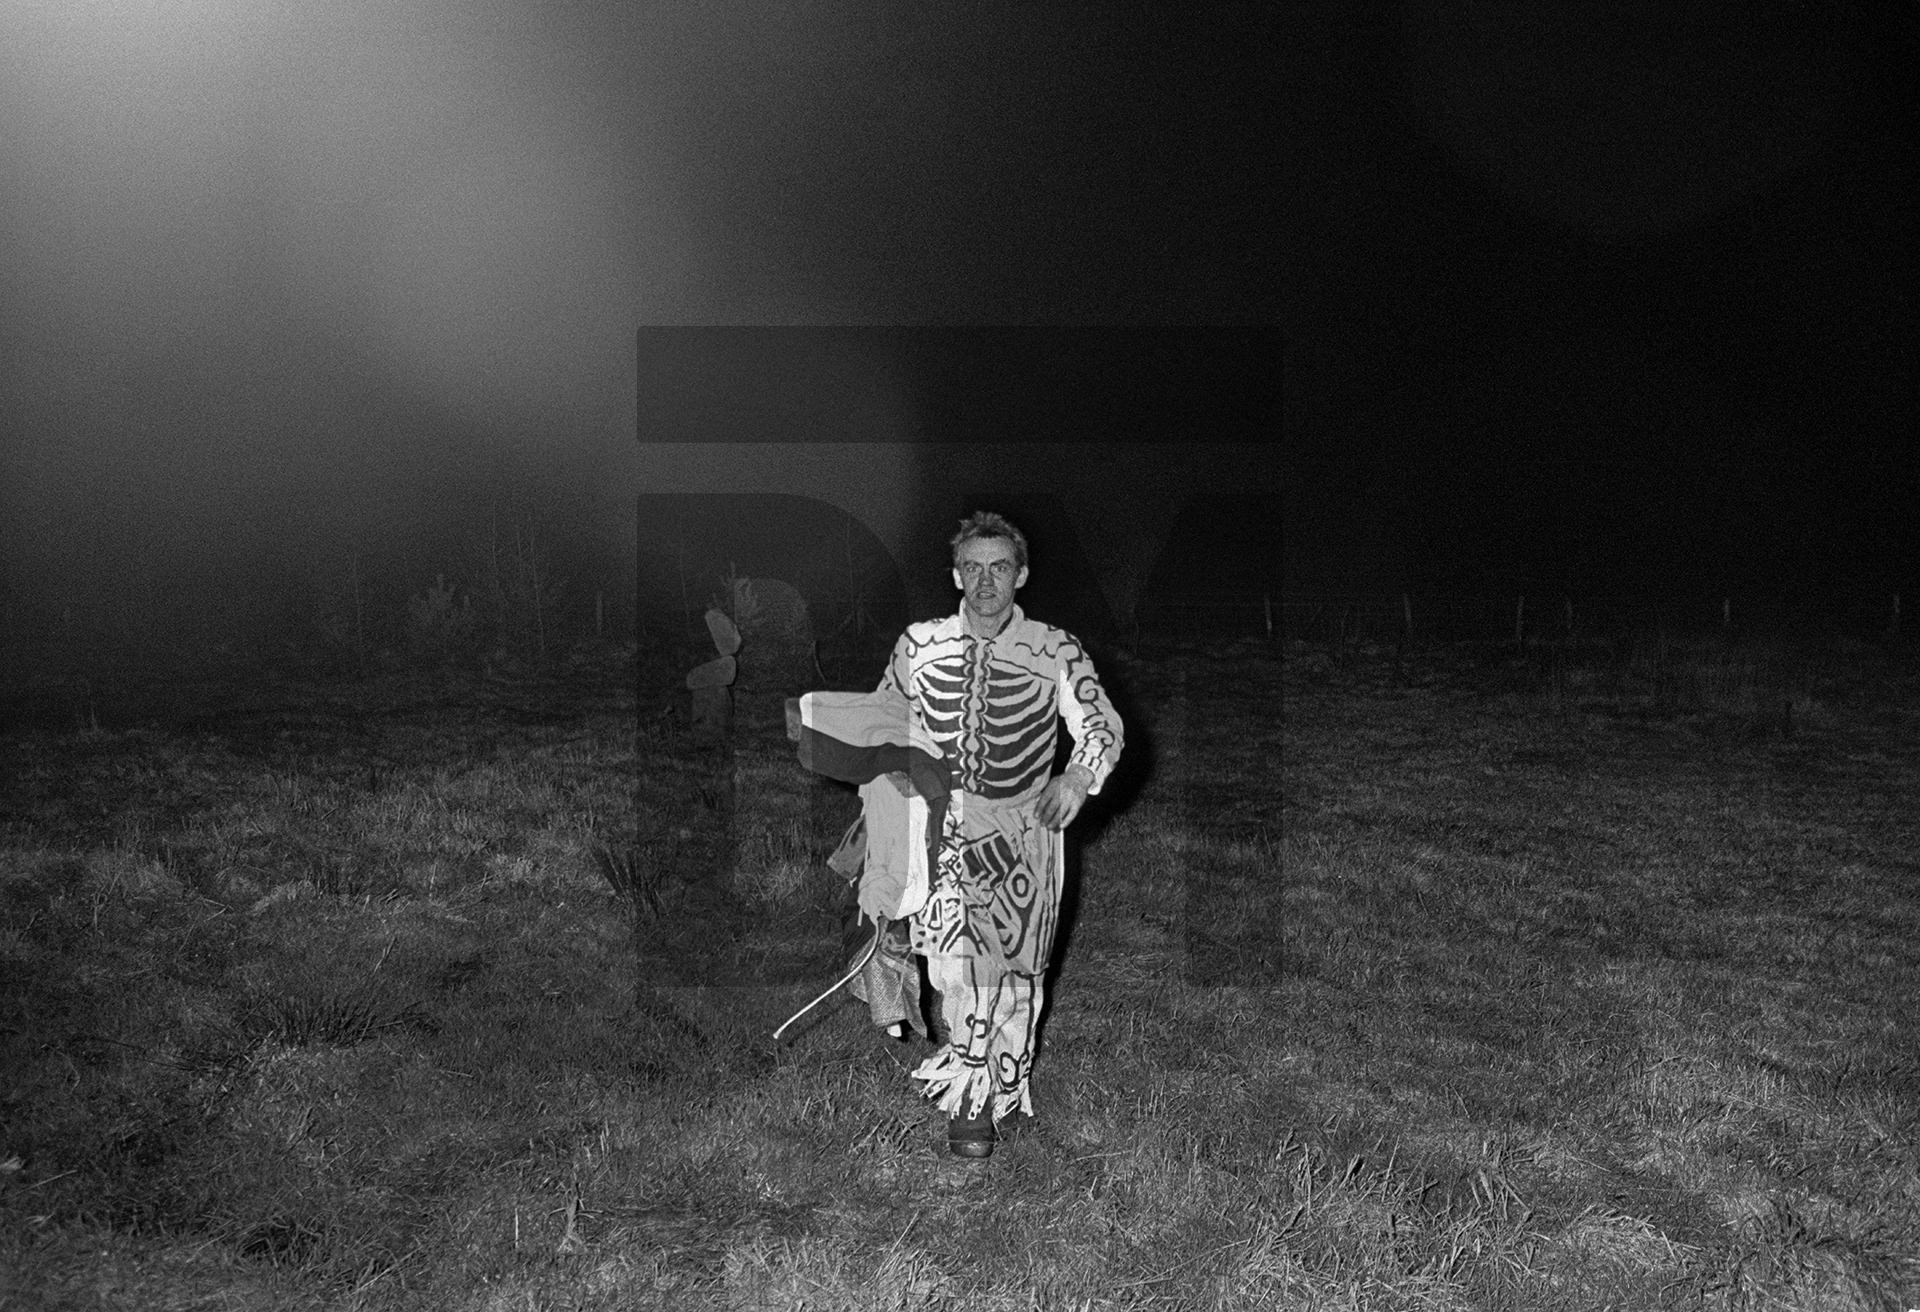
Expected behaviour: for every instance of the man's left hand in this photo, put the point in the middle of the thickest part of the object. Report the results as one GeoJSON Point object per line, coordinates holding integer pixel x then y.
{"type": "Point", "coordinates": [1060, 801]}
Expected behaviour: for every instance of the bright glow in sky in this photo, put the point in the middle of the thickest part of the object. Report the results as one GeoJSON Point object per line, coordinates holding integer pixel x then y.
{"type": "Point", "coordinates": [315, 264]}
{"type": "Point", "coordinates": [424, 189]}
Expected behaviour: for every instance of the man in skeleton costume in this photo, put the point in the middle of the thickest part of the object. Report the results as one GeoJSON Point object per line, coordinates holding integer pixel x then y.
{"type": "Point", "coordinates": [980, 894]}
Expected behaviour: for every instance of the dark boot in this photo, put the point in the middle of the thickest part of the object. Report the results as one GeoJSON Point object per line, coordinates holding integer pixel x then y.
{"type": "Point", "coordinates": [971, 1136]}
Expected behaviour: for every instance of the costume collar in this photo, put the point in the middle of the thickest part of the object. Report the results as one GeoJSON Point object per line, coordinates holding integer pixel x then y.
{"type": "Point", "coordinates": [958, 624]}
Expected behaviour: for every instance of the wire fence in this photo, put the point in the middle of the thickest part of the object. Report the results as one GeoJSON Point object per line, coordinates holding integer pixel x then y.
{"type": "Point", "coordinates": [1519, 619]}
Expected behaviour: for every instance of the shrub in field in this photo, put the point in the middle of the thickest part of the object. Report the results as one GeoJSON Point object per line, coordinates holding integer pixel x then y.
{"type": "Point", "coordinates": [308, 1019]}
{"type": "Point", "coordinates": [634, 876]}
{"type": "Point", "coordinates": [440, 626]}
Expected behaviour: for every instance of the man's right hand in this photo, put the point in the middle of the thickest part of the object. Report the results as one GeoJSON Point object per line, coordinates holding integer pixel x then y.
{"type": "Point", "coordinates": [902, 784]}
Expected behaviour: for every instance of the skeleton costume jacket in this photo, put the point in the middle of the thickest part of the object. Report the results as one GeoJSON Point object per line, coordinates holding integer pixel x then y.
{"type": "Point", "coordinates": [990, 703]}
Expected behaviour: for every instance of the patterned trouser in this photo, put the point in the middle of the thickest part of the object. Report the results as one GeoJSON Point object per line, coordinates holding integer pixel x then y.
{"type": "Point", "coordinates": [986, 932]}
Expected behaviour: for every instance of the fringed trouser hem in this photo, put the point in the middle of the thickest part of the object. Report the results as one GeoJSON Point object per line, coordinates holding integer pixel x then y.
{"type": "Point", "coordinates": [988, 1058]}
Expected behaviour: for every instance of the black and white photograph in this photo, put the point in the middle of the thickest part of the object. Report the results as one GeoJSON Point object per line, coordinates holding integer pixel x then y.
{"type": "Point", "coordinates": [996, 657]}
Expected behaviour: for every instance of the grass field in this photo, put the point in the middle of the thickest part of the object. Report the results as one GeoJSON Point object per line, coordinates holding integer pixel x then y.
{"type": "Point", "coordinates": [1464, 983]}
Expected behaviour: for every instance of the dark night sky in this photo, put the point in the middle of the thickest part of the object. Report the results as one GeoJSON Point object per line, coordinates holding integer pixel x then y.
{"type": "Point", "coordinates": [1581, 294]}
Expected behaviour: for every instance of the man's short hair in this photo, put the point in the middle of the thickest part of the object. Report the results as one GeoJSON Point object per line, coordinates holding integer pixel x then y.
{"type": "Point", "coordinates": [986, 524]}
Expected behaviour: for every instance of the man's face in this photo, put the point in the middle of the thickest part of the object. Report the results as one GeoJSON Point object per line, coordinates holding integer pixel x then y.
{"type": "Point", "coordinates": [984, 569]}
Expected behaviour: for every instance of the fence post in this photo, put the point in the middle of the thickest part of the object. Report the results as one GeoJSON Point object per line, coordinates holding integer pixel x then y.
{"type": "Point", "coordinates": [1519, 622]}
{"type": "Point", "coordinates": [1406, 611]}
{"type": "Point", "coordinates": [686, 607]}
{"type": "Point", "coordinates": [1267, 599]}
{"type": "Point", "coordinates": [1893, 630]}
{"type": "Point", "coordinates": [1569, 621]}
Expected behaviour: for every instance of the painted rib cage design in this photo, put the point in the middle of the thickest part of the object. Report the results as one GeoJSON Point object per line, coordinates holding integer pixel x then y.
{"type": "Point", "coordinates": [996, 719]}
{"type": "Point", "coordinates": [993, 706]}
